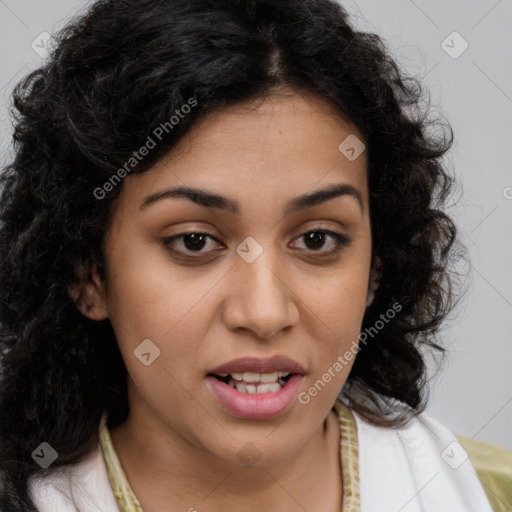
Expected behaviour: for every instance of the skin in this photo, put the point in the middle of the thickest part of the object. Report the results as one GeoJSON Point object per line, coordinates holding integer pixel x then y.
{"type": "Point", "coordinates": [179, 445]}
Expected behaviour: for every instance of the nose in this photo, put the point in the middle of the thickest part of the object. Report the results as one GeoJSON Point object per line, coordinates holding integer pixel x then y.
{"type": "Point", "coordinates": [260, 300]}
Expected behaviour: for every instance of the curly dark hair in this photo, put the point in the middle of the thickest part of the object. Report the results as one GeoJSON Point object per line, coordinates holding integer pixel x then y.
{"type": "Point", "coordinates": [120, 69]}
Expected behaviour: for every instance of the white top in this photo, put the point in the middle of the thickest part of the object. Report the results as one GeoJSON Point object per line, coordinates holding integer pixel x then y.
{"type": "Point", "coordinates": [418, 468]}
{"type": "Point", "coordinates": [421, 468]}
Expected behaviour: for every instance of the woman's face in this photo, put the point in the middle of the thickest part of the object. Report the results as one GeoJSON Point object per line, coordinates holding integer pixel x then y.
{"type": "Point", "coordinates": [259, 283]}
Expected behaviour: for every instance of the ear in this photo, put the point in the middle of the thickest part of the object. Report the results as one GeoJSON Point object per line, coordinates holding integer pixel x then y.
{"type": "Point", "coordinates": [89, 296]}
{"type": "Point", "coordinates": [375, 276]}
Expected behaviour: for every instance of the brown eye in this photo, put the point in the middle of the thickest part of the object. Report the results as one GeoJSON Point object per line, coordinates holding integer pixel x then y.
{"type": "Point", "coordinates": [316, 239]}
{"type": "Point", "coordinates": [191, 242]}
{"type": "Point", "coordinates": [194, 241]}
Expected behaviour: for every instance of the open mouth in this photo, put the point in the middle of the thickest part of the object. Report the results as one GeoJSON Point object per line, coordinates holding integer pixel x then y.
{"type": "Point", "coordinates": [255, 383]}
{"type": "Point", "coordinates": [253, 395]}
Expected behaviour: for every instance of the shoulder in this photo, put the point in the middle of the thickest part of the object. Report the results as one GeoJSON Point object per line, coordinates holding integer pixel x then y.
{"type": "Point", "coordinates": [433, 469]}
{"type": "Point", "coordinates": [84, 486]}
{"type": "Point", "coordinates": [493, 465]}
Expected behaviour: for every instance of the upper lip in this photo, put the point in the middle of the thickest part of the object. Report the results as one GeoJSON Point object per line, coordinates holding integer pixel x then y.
{"type": "Point", "coordinates": [260, 365]}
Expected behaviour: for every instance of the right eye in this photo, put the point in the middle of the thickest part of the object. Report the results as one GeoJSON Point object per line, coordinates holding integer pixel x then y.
{"type": "Point", "coordinates": [191, 242]}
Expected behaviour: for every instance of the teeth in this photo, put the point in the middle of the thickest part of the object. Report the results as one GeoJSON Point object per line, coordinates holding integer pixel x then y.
{"type": "Point", "coordinates": [258, 377]}
{"type": "Point", "coordinates": [269, 388]}
{"type": "Point", "coordinates": [252, 389]}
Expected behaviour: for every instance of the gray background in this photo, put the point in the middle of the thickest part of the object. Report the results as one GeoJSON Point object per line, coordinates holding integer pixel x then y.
{"type": "Point", "coordinates": [473, 394]}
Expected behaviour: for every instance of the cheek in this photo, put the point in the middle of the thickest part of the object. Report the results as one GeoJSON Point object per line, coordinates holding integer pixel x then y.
{"type": "Point", "coordinates": [335, 308]}
{"type": "Point", "coordinates": [336, 321]}
{"type": "Point", "coordinates": [150, 299]}
{"type": "Point", "coordinates": [148, 294]}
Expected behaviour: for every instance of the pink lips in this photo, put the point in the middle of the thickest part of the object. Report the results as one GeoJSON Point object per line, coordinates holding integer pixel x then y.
{"type": "Point", "coordinates": [258, 365]}
{"type": "Point", "coordinates": [256, 406]}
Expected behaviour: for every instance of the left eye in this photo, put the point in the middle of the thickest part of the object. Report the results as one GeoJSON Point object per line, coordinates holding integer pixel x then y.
{"type": "Point", "coordinates": [194, 242]}
{"type": "Point", "coordinates": [317, 238]}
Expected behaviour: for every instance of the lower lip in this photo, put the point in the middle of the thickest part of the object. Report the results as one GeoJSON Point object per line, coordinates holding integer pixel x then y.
{"type": "Point", "coordinates": [259, 406]}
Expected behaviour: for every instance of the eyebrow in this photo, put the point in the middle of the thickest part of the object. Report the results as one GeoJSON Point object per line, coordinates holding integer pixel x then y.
{"type": "Point", "coordinates": [211, 200]}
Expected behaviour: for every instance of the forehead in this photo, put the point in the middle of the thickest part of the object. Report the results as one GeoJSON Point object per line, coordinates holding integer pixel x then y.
{"type": "Point", "coordinates": [265, 150]}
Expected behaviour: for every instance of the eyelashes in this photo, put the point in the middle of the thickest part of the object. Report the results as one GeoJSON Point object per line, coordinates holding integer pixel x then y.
{"type": "Point", "coordinates": [193, 243]}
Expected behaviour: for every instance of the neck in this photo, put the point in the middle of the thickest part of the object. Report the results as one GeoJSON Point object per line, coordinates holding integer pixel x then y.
{"type": "Point", "coordinates": [310, 479]}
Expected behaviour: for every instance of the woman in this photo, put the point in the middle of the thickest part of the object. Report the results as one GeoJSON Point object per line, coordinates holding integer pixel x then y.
{"type": "Point", "coordinates": [223, 253]}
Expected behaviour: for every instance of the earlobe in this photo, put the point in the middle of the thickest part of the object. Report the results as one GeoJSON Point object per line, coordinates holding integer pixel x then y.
{"type": "Point", "coordinates": [89, 297]}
